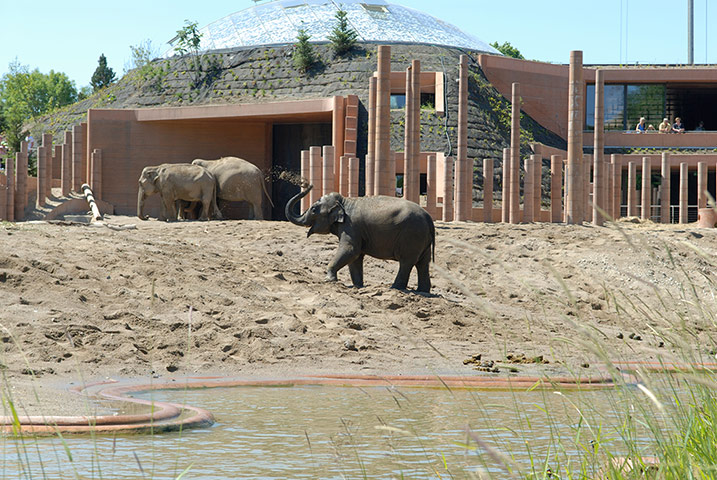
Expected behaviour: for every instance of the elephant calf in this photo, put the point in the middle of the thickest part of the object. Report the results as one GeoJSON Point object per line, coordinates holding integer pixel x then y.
{"type": "Point", "coordinates": [174, 182]}
{"type": "Point", "coordinates": [388, 228]}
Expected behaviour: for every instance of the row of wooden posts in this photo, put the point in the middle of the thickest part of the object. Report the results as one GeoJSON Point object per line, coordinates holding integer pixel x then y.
{"type": "Point", "coordinates": [62, 166]}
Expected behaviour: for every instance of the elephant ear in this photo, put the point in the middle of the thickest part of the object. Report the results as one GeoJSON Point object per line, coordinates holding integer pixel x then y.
{"type": "Point", "coordinates": [336, 214]}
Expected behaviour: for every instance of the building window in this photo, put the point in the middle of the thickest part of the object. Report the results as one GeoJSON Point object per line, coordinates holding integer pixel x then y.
{"type": "Point", "coordinates": [428, 101]}
{"type": "Point", "coordinates": [625, 104]}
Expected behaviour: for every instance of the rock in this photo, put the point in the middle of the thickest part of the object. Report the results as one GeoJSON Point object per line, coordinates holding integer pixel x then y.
{"type": "Point", "coordinates": [350, 344]}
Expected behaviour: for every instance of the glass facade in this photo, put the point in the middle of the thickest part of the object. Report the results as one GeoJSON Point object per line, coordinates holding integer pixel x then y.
{"type": "Point", "coordinates": [625, 104]}
{"type": "Point", "coordinates": [277, 23]}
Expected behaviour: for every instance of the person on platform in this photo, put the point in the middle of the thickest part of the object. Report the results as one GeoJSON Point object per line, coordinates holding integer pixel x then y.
{"type": "Point", "coordinates": [678, 127]}
{"type": "Point", "coordinates": [665, 126]}
{"type": "Point", "coordinates": [641, 127]}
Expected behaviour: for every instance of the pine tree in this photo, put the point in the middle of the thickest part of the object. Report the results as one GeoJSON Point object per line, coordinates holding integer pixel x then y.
{"type": "Point", "coordinates": [343, 37]}
{"type": "Point", "coordinates": [103, 75]}
{"type": "Point", "coordinates": [303, 55]}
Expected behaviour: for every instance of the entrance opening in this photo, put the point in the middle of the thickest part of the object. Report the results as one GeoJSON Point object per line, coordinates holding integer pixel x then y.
{"type": "Point", "coordinates": [288, 140]}
{"type": "Point", "coordinates": [693, 105]}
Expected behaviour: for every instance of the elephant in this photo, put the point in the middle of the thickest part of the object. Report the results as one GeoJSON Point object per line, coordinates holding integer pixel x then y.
{"type": "Point", "coordinates": [176, 182]}
{"type": "Point", "coordinates": [238, 181]}
{"type": "Point", "coordinates": [382, 227]}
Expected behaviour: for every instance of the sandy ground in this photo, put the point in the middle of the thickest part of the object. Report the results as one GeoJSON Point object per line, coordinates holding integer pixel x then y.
{"type": "Point", "coordinates": [247, 298]}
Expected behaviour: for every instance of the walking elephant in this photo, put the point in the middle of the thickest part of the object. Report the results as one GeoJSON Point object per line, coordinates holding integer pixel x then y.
{"type": "Point", "coordinates": [238, 181]}
{"type": "Point", "coordinates": [382, 227]}
{"type": "Point", "coordinates": [177, 182]}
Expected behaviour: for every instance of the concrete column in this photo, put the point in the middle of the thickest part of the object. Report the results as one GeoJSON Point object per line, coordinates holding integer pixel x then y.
{"type": "Point", "coordinates": [587, 212]}
{"type": "Point", "coordinates": [575, 196]}
{"type": "Point", "coordinates": [383, 124]}
{"type": "Point", "coordinates": [431, 185]}
{"type": "Point", "coordinates": [565, 190]}
{"type": "Point", "coordinates": [528, 195]}
{"type": "Point", "coordinates": [701, 184]}
{"type": "Point", "coordinates": [646, 188]}
{"type": "Point", "coordinates": [77, 154]}
{"type": "Point", "coordinates": [315, 173]}
{"type": "Point", "coordinates": [631, 189]}
{"type": "Point", "coordinates": [66, 161]}
{"type": "Point", "coordinates": [10, 184]}
{"type": "Point", "coordinates": [338, 135]}
{"type": "Point", "coordinates": [684, 191]}
{"type": "Point", "coordinates": [556, 188]}
{"type": "Point", "coordinates": [84, 154]}
{"type": "Point", "coordinates": [665, 188]}
{"type": "Point", "coordinates": [416, 162]}
{"type": "Point", "coordinates": [599, 145]}
{"type": "Point", "coordinates": [56, 165]}
{"type": "Point", "coordinates": [408, 142]}
{"type": "Point", "coordinates": [353, 176]}
{"type": "Point", "coordinates": [448, 189]}
{"type": "Point", "coordinates": [463, 194]}
{"type": "Point", "coordinates": [328, 169]}
{"type": "Point", "coordinates": [515, 155]}
{"type": "Point", "coordinates": [41, 176]}
{"type": "Point", "coordinates": [344, 175]}
{"type": "Point", "coordinates": [537, 185]}
{"type": "Point", "coordinates": [96, 172]}
{"type": "Point", "coordinates": [305, 175]}
{"type": "Point", "coordinates": [371, 151]}
{"type": "Point", "coordinates": [617, 186]}
{"type": "Point", "coordinates": [505, 181]}
{"type": "Point", "coordinates": [488, 190]}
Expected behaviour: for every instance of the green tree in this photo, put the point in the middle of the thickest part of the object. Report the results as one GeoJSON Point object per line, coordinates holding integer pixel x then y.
{"type": "Point", "coordinates": [188, 40]}
{"type": "Point", "coordinates": [25, 94]}
{"type": "Point", "coordinates": [508, 50]}
{"type": "Point", "coordinates": [103, 75]}
{"type": "Point", "coordinates": [343, 37]}
{"type": "Point", "coordinates": [303, 55]}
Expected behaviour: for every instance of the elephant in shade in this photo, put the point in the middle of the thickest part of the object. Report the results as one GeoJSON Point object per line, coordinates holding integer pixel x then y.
{"type": "Point", "coordinates": [238, 181]}
{"type": "Point", "coordinates": [176, 182]}
{"type": "Point", "coordinates": [388, 228]}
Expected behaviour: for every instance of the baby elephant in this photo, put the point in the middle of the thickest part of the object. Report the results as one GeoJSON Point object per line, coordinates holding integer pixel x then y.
{"type": "Point", "coordinates": [175, 182]}
{"type": "Point", "coordinates": [388, 228]}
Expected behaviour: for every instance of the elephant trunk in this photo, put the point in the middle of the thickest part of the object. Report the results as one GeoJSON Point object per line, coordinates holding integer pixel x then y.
{"type": "Point", "coordinates": [301, 221]}
{"type": "Point", "coordinates": [140, 204]}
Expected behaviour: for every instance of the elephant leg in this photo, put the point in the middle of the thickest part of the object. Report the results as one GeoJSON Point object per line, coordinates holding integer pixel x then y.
{"type": "Point", "coordinates": [404, 272]}
{"type": "Point", "coordinates": [170, 210]}
{"type": "Point", "coordinates": [257, 214]}
{"type": "Point", "coordinates": [424, 277]}
{"type": "Point", "coordinates": [345, 255]}
{"type": "Point", "coordinates": [206, 210]}
{"type": "Point", "coordinates": [356, 271]}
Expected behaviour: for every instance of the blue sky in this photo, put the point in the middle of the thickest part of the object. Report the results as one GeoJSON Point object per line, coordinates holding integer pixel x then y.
{"type": "Point", "coordinates": [70, 36]}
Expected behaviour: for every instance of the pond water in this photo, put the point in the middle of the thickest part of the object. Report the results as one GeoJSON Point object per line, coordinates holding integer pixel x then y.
{"type": "Point", "coordinates": [330, 433]}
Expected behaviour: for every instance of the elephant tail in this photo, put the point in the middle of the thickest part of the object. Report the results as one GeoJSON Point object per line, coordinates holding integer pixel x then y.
{"type": "Point", "coordinates": [263, 185]}
{"type": "Point", "coordinates": [433, 240]}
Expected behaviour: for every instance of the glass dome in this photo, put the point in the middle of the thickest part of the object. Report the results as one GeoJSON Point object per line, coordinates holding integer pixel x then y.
{"type": "Point", "coordinates": [277, 23]}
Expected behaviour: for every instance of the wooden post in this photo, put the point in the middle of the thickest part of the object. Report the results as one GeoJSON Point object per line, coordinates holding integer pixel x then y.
{"type": "Point", "coordinates": [599, 144]}
{"type": "Point", "coordinates": [47, 143]}
{"type": "Point", "coordinates": [431, 185]}
{"type": "Point", "coordinates": [556, 188]}
{"type": "Point", "coordinates": [505, 181]}
{"type": "Point", "coordinates": [576, 181]}
{"type": "Point", "coordinates": [371, 150]}
{"type": "Point", "coordinates": [537, 185]}
{"type": "Point", "coordinates": [646, 188]}
{"type": "Point", "coordinates": [96, 169]}
{"type": "Point", "coordinates": [382, 160]}
{"type": "Point", "coordinates": [463, 195]}
{"type": "Point", "coordinates": [701, 184]}
{"type": "Point", "coordinates": [344, 175]}
{"type": "Point", "coordinates": [305, 174]}
{"type": "Point", "coordinates": [416, 162]}
{"type": "Point", "coordinates": [77, 154]}
{"type": "Point", "coordinates": [515, 155]}
{"type": "Point", "coordinates": [315, 173]}
{"type": "Point", "coordinates": [528, 196]}
{"type": "Point", "coordinates": [41, 176]}
{"type": "Point", "coordinates": [488, 190]}
{"type": "Point", "coordinates": [684, 192]}
{"type": "Point", "coordinates": [448, 189]}
{"type": "Point", "coordinates": [327, 174]}
{"type": "Point", "coordinates": [11, 184]}
{"type": "Point", "coordinates": [353, 175]}
{"type": "Point", "coordinates": [408, 142]}
{"type": "Point", "coordinates": [617, 186]}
